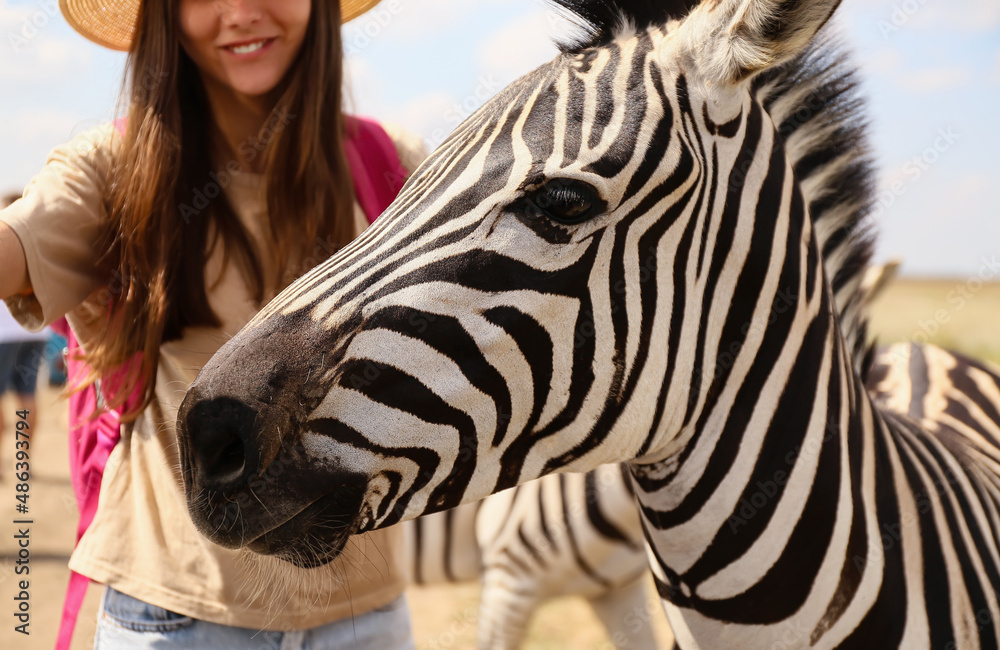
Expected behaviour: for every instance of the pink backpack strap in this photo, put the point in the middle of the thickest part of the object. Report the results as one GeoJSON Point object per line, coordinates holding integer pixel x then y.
{"type": "Point", "coordinates": [375, 166]}
{"type": "Point", "coordinates": [91, 442]}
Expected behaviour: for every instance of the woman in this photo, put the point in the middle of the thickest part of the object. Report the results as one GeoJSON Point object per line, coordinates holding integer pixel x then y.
{"type": "Point", "coordinates": [160, 239]}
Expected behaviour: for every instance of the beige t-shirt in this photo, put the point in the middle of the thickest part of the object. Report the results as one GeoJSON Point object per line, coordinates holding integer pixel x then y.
{"type": "Point", "coordinates": [142, 541]}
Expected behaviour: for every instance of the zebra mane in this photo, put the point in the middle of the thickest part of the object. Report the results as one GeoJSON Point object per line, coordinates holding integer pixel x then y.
{"type": "Point", "coordinates": [815, 103]}
{"type": "Point", "coordinates": [600, 22]}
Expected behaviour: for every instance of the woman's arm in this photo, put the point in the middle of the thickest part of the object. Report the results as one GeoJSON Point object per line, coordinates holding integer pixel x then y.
{"type": "Point", "coordinates": [49, 243]}
{"type": "Point", "coordinates": [13, 266]}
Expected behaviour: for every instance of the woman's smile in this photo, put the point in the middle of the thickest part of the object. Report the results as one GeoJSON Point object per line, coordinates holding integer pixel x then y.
{"type": "Point", "coordinates": [244, 47]}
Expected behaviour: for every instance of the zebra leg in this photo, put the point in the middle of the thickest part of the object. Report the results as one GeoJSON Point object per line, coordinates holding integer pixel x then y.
{"type": "Point", "coordinates": [627, 615]}
{"type": "Point", "coordinates": [505, 610]}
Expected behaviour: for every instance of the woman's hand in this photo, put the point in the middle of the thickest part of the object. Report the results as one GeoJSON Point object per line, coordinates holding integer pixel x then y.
{"type": "Point", "coordinates": [13, 266]}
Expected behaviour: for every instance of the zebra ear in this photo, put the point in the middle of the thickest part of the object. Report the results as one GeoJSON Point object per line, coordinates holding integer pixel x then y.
{"type": "Point", "coordinates": [732, 40]}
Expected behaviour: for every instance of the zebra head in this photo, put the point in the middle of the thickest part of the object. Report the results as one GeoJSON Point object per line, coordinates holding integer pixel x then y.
{"type": "Point", "coordinates": [533, 300]}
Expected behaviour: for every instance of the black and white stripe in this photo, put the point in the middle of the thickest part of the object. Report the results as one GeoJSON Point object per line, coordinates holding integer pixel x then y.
{"type": "Point", "coordinates": [945, 392]}
{"type": "Point", "coordinates": [562, 535]}
{"type": "Point", "coordinates": [649, 250]}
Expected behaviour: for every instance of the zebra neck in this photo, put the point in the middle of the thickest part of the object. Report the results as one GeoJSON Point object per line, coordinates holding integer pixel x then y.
{"type": "Point", "coordinates": [749, 524]}
{"type": "Point", "coordinates": [805, 514]}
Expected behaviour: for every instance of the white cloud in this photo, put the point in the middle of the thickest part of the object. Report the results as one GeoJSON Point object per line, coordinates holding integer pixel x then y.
{"type": "Point", "coordinates": [50, 126]}
{"type": "Point", "coordinates": [522, 45]}
{"type": "Point", "coordinates": [884, 60]}
{"type": "Point", "coordinates": [505, 52]}
{"type": "Point", "coordinates": [965, 15]}
{"type": "Point", "coordinates": [363, 85]}
{"type": "Point", "coordinates": [12, 16]}
{"type": "Point", "coordinates": [974, 184]}
{"type": "Point", "coordinates": [52, 123]}
{"type": "Point", "coordinates": [405, 20]}
{"type": "Point", "coordinates": [38, 56]}
{"type": "Point", "coordinates": [970, 16]}
{"type": "Point", "coordinates": [943, 225]}
{"type": "Point", "coordinates": [427, 115]}
{"type": "Point", "coordinates": [937, 79]}
{"type": "Point", "coordinates": [30, 135]}
{"type": "Point", "coordinates": [32, 32]}
{"type": "Point", "coordinates": [995, 72]}
{"type": "Point", "coordinates": [57, 53]}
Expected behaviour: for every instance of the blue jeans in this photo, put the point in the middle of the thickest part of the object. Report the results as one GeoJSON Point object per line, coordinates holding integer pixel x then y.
{"type": "Point", "coordinates": [19, 363]}
{"type": "Point", "coordinates": [125, 623]}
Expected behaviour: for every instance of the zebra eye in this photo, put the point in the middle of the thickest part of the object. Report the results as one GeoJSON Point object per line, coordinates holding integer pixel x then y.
{"type": "Point", "coordinates": [565, 200]}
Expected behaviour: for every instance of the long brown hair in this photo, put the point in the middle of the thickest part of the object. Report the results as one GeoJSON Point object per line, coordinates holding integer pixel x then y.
{"type": "Point", "coordinates": [164, 202]}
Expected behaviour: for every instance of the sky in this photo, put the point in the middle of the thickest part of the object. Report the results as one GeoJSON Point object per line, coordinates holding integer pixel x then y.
{"type": "Point", "coordinates": [930, 68]}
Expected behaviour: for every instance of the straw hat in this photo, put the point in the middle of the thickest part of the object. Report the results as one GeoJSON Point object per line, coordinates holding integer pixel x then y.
{"type": "Point", "coordinates": [110, 22]}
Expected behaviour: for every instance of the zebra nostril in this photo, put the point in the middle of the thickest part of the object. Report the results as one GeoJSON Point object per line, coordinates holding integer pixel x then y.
{"type": "Point", "coordinates": [228, 465]}
{"type": "Point", "coordinates": [219, 432]}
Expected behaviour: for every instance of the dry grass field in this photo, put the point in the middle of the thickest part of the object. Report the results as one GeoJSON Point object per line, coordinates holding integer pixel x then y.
{"type": "Point", "coordinates": [954, 313]}
{"type": "Point", "coordinates": [957, 314]}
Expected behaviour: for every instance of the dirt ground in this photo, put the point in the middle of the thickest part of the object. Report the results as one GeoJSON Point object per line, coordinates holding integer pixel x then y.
{"type": "Point", "coordinates": [955, 313]}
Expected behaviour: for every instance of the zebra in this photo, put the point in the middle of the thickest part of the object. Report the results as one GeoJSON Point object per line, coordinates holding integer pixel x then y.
{"type": "Point", "coordinates": [616, 260]}
{"type": "Point", "coordinates": [497, 540]}
{"type": "Point", "coordinates": [943, 391]}
{"type": "Point", "coordinates": [561, 535]}
{"type": "Point", "coordinates": [569, 535]}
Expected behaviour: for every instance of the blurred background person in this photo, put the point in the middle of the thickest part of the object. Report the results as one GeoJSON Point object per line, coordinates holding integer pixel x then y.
{"type": "Point", "coordinates": [21, 354]}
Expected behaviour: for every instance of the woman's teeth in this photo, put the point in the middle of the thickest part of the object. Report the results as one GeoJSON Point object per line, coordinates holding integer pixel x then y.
{"type": "Point", "coordinates": [247, 49]}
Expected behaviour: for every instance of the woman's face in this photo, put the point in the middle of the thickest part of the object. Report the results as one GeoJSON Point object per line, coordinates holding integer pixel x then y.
{"type": "Point", "coordinates": [245, 46]}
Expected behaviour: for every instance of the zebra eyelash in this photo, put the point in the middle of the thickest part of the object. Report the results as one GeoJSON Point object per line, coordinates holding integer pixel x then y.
{"type": "Point", "coordinates": [560, 202]}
